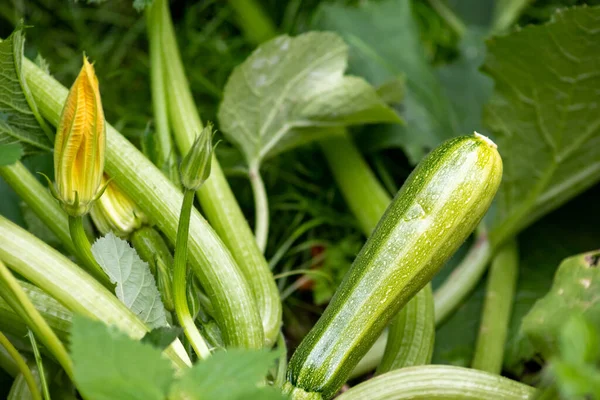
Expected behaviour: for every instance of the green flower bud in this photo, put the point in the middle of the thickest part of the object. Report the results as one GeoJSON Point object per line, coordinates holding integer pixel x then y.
{"type": "Point", "coordinates": [195, 167]}
{"type": "Point", "coordinates": [116, 212]}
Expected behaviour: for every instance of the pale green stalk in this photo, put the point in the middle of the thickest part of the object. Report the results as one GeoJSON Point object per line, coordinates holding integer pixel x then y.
{"type": "Point", "coordinates": [67, 229]}
{"type": "Point", "coordinates": [179, 280]}
{"type": "Point", "coordinates": [497, 307]}
{"type": "Point", "coordinates": [441, 382]}
{"type": "Point", "coordinates": [57, 316]}
{"type": "Point", "coordinates": [411, 341]}
{"type": "Point", "coordinates": [506, 13]}
{"type": "Point", "coordinates": [159, 199]}
{"type": "Point", "coordinates": [40, 365]}
{"type": "Point", "coordinates": [411, 335]}
{"type": "Point", "coordinates": [39, 199]}
{"type": "Point", "coordinates": [70, 285]}
{"type": "Point", "coordinates": [215, 196]}
{"type": "Point", "coordinates": [164, 143]}
{"type": "Point", "coordinates": [18, 300]}
{"type": "Point", "coordinates": [22, 366]}
{"type": "Point", "coordinates": [84, 251]}
{"type": "Point", "coordinates": [7, 363]}
{"type": "Point", "coordinates": [448, 15]}
{"type": "Point", "coordinates": [261, 207]}
{"type": "Point", "coordinates": [255, 24]}
{"type": "Point", "coordinates": [463, 279]}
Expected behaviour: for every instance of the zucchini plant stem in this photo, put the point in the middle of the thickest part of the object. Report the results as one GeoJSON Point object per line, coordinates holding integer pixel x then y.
{"type": "Point", "coordinates": [439, 382]}
{"type": "Point", "coordinates": [502, 279]}
{"type": "Point", "coordinates": [256, 26]}
{"type": "Point", "coordinates": [215, 196]}
{"type": "Point", "coordinates": [368, 200]}
{"type": "Point", "coordinates": [453, 21]}
{"type": "Point", "coordinates": [7, 362]}
{"type": "Point", "coordinates": [159, 199]}
{"type": "Point", "coordinates": [261, 205]}
{"type": "Point", "coordinates": [84, 250]}
{"type": "Point", "coordinates": [22, 366]}
{"type": "Point", "coordinates": [40, 365]}
{"type": "Point", "coordinates": [57, 316]}
{"type": "Point", "coordinates": [150, 245]}
{"type": "Point", "coordinates": [179, 279]}
{"type": "Point", "coordinates": [164, 143]}
{"type": "Point", "coordinates": [464, 278]}
{"type": "Point", "coordinates": [15, 296]}
{"type": "Point", "coordinates": [41, 202]}
{"type": "Point", "coordinates": [75, 289]}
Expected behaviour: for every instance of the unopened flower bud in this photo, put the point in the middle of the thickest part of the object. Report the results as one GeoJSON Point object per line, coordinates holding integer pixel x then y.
{"type": "Point", "coordinates": [80, 145]}
{"type": "Point", "coordinates": [195, 167]}
{"type": "Point", "coordinates": [116, 212]}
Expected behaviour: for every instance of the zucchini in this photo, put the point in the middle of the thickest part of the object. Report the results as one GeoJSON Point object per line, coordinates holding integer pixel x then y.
{"type": "Point", "coordinates": [439, 205]}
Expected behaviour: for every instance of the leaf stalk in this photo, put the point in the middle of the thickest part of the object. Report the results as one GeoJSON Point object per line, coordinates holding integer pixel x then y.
{"type": "Point", "coordinates": [179, 279]}
{"type": "Point", "coordinates": [497, 306]}
{"type": "Point", "coordinates": [22, 365]}
{"type": "Point", "coordinates": [84, 250]}
{"type": "Point", "coordinates": [18, 300]}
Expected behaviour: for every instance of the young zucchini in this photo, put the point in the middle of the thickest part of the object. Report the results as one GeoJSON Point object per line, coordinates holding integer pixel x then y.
{"type": "Point", "coordinates": [438, 207]}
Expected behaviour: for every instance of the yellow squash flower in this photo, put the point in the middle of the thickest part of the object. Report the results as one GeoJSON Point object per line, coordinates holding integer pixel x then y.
{"type": "Point", "coordinates": [80, 144]}
{"type": "Point", "coordinates": [116, 212]}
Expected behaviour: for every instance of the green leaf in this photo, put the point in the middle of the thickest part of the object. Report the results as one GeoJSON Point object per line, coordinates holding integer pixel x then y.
{"type": "Point", "coordinates": [578, 341]}
{"type": "Point", "coordinates": [136, 287]}
{"type": "Point", "coordinates": [108, 365]}
{"type": "Point", "coordinates": [575, 370]}
{"type": "Point", "coordinates": [10, 153]}
{"type": "Point", "coordinates": [574, 291]}
{"type": "Point", "coordinates": [162, 337]}
{"type": "Point", "coordinates": [545, 113]}
{"type": "Point", "coordinates": [290, 84]}
{"type": "Point", "coordinates": [577, 381]}
{"type": "Point", "coordinates": [385, 43]}
{"type": "Point", "coordinates": [467, 88]}
{"type": "Point", "coordinates": [226, 375]}
{"type": "Point", "coordinates": [20, 120]}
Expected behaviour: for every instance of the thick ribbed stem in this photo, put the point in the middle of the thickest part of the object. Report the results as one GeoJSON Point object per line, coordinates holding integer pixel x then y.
{"type": "Point", "coordinates": [211, 262]}
{"type": "Point", "coordinates": [18, 300]}
{"type": "Point", "coordinates": [39, 199]}
{"type": "Point", "coordinates": [179, 279]}
{"type": "Point", "coordinates": [164, 142]}
{"type": "Point", "coordinates": [439, 382]}
{"type": "Point", "coordinates": [215, 196]}
{"type": "Point", "coordinates": [495, 317]}
{"type": "Point", "coordinates": [84, 251]}
{"type": "Point", "coordinates": [22, 366]}
{"type": "Point", "coordinates": [70, 285]}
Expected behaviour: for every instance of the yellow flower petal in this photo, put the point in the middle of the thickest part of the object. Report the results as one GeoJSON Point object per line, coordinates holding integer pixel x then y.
{"type": "Point", "coordinates": [80, 144]}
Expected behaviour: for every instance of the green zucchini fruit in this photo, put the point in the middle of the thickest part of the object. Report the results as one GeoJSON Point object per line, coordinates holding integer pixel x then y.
{"type": "Point", "coordinates": [439, 205]}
